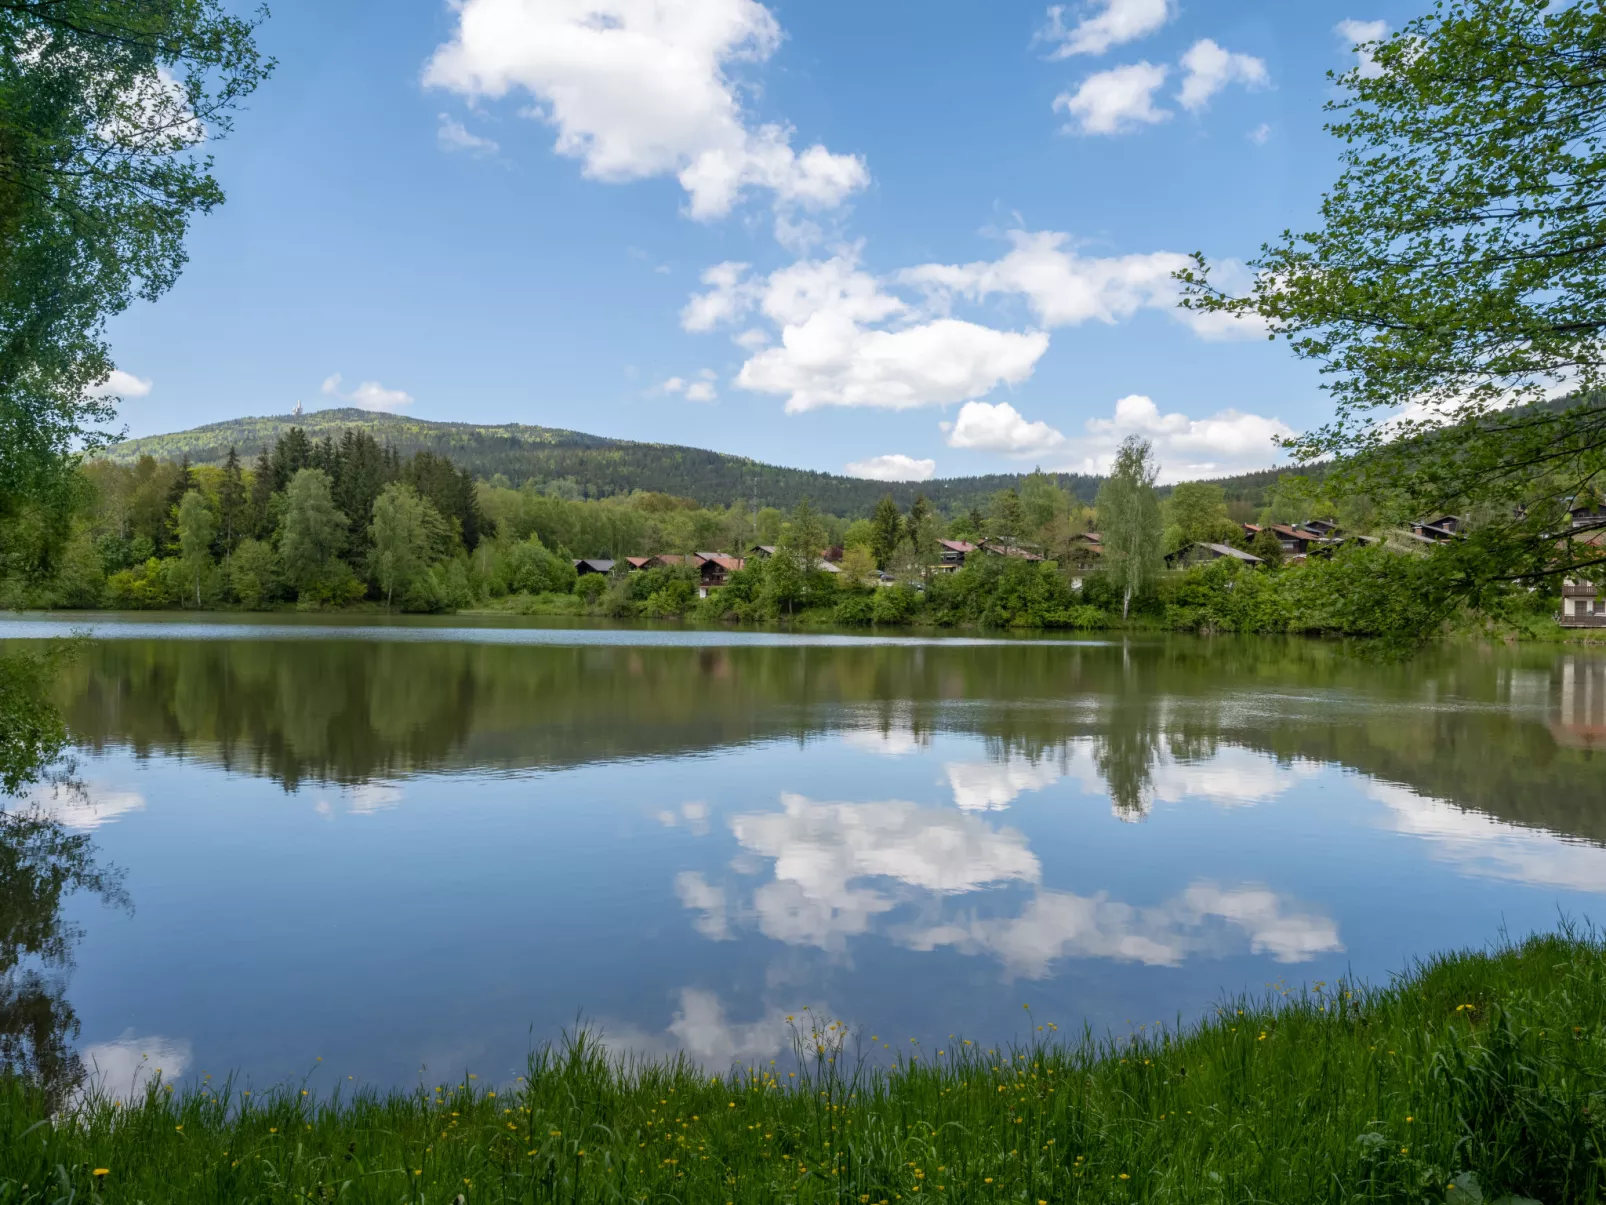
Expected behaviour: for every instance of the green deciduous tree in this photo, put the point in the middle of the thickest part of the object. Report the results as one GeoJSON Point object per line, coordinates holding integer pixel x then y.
{"type": "Point", "coordinates": [400, 541]}
{"type": "Point", "coordinates": [103, 104]}
{"type": "Point", "coordinates": [1456, 282]}
{"type": "Point", "coordinates": [313, 531]}
{"type": "Point", "coordinates": [1042, 501]}
{"type": "Point", "coordinates": [254, 574]}
{"type": "Point", "coordinates": [1129, 520]}
{"type": "Point", "coordinates": [858, 566]}
{"type": "Point", "coordinates": [1198, 511]}
{"type": "Point", "coordinates": [196, 527]}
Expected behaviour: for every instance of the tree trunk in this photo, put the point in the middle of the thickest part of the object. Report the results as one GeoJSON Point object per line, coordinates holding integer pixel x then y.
{"type": "Point", "coordinates": [1126, 603]}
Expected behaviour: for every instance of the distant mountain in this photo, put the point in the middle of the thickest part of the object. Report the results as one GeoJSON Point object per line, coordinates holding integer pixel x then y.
{"type": "Point", "coordinates": [601, 467]}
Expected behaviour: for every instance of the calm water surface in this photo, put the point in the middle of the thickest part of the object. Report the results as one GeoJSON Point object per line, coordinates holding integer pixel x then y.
{"type": "Point", "coordinates": [432, 845]}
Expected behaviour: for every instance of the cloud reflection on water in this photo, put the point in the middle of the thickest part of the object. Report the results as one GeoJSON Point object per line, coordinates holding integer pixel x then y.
{"type": "Point", "coordinates": [822, 850]}
{"type": "Point", "coordinates": [125, 1067]}
{"type": "Point", "coordinates": [1203, 919]}
{"type": "Point", "coordinates": [701, 1031]}
{"type": "Point", "coordinates": [1487, 848]}
{"type": "Point", "coordinates": [837, 867]}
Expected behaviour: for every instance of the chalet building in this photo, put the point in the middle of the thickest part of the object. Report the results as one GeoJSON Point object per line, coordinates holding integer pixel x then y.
{"type": "Point", "coordinates": [1013, 550]}
{"type": "Point", "coordinates": [713, 570]}
{"type": "Point", "coordinates": [1295, 541]}
{"type": "Point", "coordinates": [1199, 554]}
{"type": "Point", "coordinates": [593, 565]}
{"type": "Point", "coordinates": [1440, 530]}
{"type": "Point", "coordinates": [954, 552]}
{"type": "Point", "coordinates": [1325, 528]}
{"type": "Point", "coordinates": [1582, 604]}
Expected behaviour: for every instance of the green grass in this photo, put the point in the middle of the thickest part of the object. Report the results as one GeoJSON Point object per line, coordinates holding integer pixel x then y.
{"type": "Point", "coordinates": [1474, 1077]}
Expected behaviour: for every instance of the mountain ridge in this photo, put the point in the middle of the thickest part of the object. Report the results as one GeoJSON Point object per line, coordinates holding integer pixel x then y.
{"type": "Point", "coordinates": [600, 466]}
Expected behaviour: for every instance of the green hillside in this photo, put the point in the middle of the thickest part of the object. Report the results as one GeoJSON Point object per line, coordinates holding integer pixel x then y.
{"type": "Point", "coordinates": [601, 467]}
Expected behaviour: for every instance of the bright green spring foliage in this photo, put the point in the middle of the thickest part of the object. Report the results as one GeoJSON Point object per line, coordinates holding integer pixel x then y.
{"type": "Point", "coordinates": [1455, 287]}
{"type": "Point", "coordinates": [104, 109]}
{"type": "Point", "coordinates": [1478, 1077]}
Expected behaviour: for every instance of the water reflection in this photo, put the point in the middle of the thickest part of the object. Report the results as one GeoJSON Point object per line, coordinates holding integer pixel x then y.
{"type": "Point", "coordinates": [41, 864]}
{"type": "Point", "coordinates": [836, 869]}
{"type": "Point", "coordinates": [1205, 919]}
{"type": "Point", "coordinates": [686, 844]}
{"type": "Point", "coordinates": [1151, 722]}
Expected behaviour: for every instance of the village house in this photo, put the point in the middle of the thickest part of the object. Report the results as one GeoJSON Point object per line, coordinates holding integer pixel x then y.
{"type": "Point", "coordinates": [1440, 530]}
{"type": "Point", "coordinates": [587, 565]}
{"type": "Point", "coordinates": [1198, 554]}
{"type": "Point", "coordinates": [1295, 541]}
{"type": "Point", "coordinates": [712, 570]}
{"type": "Point", "coordinates": [1581, 603]}
{"type": "Point", "coordinates": [953, 554]}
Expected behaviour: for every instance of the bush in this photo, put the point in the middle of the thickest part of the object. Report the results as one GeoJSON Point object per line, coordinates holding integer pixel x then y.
{"type": "Point", "coordinates": [854, 611]}
{"type": "Point", "coordinates": [671, 600]}
{"type": "Point", "coordinates": [147, 587]}
{"type": "Point", "coordinates": [531, 568]}
{"type": "Point", "coordinates": [895, 604]}
{"type": "Point", "coordinates": [590, 586]}
{"type": "Point", "coordinates": [334, 585]}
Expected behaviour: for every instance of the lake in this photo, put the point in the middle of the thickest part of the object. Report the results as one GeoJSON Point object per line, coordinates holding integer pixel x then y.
{"type": "Point", "coordinates": [412, 850]}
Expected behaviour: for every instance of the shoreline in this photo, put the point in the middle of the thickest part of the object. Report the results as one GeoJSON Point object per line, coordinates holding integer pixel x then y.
{"type": "Point", "coordinates": [1474, 1075]}
{"type": "Point", "coordinates": [800, 628]}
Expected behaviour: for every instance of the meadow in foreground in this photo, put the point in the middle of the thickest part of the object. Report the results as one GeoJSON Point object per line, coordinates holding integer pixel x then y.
{"type": "Point", "coordinates": [1477, 1077]}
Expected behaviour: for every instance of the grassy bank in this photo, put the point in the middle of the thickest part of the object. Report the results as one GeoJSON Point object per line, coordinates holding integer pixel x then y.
{"type": "Point", "coordinates": [1475, 1077]}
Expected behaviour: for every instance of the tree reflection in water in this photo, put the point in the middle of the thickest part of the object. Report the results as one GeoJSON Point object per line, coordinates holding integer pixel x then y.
{"type": "Point", "coordinates": [41, 864]}
{"type": "Point", "coordinates": [1467, 725]}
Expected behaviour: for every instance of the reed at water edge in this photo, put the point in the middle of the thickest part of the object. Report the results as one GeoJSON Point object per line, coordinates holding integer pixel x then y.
{"type": "Point", "coordinates": [1475, 1077]}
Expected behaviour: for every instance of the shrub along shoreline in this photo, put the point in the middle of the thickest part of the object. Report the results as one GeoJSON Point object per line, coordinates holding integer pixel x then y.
{"type": "Point", "coordinates": [1476, 1077]}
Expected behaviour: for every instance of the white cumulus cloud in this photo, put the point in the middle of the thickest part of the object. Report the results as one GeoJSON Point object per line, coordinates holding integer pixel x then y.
{"type": "Point", "coordinates": [1116, 101]}
{"type": "Point", "coordinates": [1185, 448]}
{"type": "Point", "coordinates": [642, 88]}
{"type": "Point", "coordinates": [999, 427]}
{"type": "Point", "coordinates": [1356, 34]}
{"type": "Point", "coordinates": [845, 341]}
{"type": "Point", "coordinates": [699, 389]}
{"type": "Point", "coordinates": [121, 384]}
{"type": "Point", "coordinates": [453, 135]}
{"type": "Point", "coordinates": [845, 337]}
{"type": "Point", "coordinates": [892, 467]}
{"type": "Point", "coordinates": [1104, 24]}
{"type": "Point", "coordinates": [370, 395]}
{"type": "Point", "coordinates": [1066, 288]}
{"type": "Point", "coordinates": [1207, 69]}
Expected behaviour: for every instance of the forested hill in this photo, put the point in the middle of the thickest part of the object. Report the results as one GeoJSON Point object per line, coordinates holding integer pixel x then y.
{"type": "Point", "coordinates": [598, 467]}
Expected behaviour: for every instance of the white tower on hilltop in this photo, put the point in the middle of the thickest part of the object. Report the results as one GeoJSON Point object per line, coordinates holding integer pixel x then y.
{"type": "Point", "coordinates": [296, 413]}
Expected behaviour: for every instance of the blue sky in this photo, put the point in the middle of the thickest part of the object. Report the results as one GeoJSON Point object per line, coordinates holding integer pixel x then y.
{"type": "Point", "coordinates": [920, 239]}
